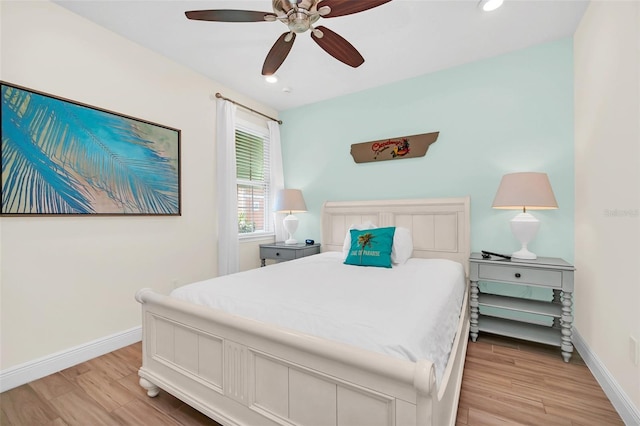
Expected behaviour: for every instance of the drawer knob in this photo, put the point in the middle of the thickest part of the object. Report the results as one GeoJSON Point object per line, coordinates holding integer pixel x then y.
{"type": "Point", "coordinates": [518, 275]}
{"type": "Point", "coordinates": [278, 254]}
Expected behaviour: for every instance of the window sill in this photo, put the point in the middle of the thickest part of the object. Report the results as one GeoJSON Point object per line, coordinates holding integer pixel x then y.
{"type": "Point", "coordinates": [244, 238]}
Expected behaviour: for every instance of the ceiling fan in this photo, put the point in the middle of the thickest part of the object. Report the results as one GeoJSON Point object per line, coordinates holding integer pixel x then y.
{"type": "Point", "coordinates": [299, 16]}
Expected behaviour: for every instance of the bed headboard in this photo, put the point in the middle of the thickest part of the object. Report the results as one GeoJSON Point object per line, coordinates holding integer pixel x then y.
{"type": "Point", "coordinates": [439, 226]}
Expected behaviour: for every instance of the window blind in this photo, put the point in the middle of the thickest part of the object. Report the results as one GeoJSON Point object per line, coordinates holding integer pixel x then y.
{"type": "Point", "coordinates": [252, 173]}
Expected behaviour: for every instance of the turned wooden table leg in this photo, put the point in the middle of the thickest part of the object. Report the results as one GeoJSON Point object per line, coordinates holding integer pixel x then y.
{"type": "Point", "coordinates": [475, 313]}
{"type": "Point", "coordinates": [566, 324]}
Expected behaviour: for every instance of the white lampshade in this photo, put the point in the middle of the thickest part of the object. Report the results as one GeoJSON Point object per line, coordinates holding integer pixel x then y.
{"type": "Point", "coordinates": [290, 200]}
{"type": "Point", "coordinates": [528, 190]}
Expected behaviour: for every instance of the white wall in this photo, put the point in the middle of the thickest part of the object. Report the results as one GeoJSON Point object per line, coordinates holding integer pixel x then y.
{"type": "Point", "coordinates": [66, 281]}
{"type": "Point", "coordinates": [250, 253]}
{"type": "Point", "coordinates": [607, 193]}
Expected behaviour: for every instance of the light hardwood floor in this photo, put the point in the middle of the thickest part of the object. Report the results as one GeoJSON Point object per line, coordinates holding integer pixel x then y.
{"type": "Point", "coordinates": [506, 382]}
{"type": "Point", "coordinates": [513, 382]}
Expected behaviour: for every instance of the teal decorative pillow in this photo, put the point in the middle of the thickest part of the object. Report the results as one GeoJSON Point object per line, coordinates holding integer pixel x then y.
{"type": "Point", "coordinates": [371, 247]}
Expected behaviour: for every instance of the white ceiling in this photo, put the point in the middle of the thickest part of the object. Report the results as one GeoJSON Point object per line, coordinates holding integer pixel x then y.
{"type": "Point", "coordinates": [399, 40]}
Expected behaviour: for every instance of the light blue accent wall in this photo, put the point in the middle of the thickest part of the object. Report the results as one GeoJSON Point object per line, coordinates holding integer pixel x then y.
{"type": "Point", "coordinates": [505, 114]}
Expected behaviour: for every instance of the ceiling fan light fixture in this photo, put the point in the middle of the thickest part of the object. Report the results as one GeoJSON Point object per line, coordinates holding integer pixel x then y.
{"type": "Point", "coordinates": [490, 5]}
{"type": "Point", "coordinates": [299, 22]}
{"type": "Point", "coordinates": [271, 78]}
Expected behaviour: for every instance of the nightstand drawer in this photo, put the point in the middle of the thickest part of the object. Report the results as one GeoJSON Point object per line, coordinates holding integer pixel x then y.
{"type": "Point", "coordinates": [277, 253]}
{"type": "Point", "coordinates": [308, 251]}
{"type": "Point", "coordinates": [523, 275]}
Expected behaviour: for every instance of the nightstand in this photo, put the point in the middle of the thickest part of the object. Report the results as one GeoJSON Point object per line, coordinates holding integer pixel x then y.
{"type": "Point", "coordinates": [545, 272]}
{"type": "Point", "coordinates": [282, 251]}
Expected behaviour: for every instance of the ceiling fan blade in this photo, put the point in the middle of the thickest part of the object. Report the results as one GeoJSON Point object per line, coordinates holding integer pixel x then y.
{"type": "Point", "coordinates": [229, 15]}
{"type": "Point", "coordinates": [278, 53]}
{"type": "Point", "coordinates": [337, 46]}
{"type": "Point", "coordinates": [347, 7]}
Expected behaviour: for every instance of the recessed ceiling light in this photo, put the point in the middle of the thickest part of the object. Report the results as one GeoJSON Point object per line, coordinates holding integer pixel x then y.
{"type": "Point", "coordinates": [271, 78]}
{"type": "Point", "coordinates": [489, 5]}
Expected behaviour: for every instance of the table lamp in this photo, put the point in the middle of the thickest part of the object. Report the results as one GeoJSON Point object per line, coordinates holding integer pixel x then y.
{"type": "Point", "coordinates": [290, 200]}
{"type": "Point", "coordinates": [527, 190]}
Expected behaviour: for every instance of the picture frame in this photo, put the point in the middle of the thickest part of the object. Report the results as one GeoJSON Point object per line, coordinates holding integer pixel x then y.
{"type": "Point", "coordinates": [63, 157]}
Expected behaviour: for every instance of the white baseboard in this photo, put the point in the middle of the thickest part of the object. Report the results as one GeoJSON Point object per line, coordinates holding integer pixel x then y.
{"type": "Point", "coordinates": [628, 412]}
{"type": "Point", "coordinates": [34, 370]}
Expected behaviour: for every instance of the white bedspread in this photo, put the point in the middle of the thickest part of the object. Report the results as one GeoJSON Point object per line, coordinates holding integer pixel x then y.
{"type": "Point", "coordinates": [409, 311]}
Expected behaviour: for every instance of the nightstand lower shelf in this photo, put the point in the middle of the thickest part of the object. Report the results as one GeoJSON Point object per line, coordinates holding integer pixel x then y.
{"type": "Point", "coordinates": [521, 305]}
{"type": "Point", "coordinates": [521, 330]}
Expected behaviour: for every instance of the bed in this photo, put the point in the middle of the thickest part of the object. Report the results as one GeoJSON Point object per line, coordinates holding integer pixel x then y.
{"type": "Point", "coordinates": [243, 371]}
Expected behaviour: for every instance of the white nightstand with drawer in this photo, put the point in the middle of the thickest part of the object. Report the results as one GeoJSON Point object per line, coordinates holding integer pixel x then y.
{"type": "Point", "coordinates": [281, 251]}
{"type": "Point", "coordinates": [544, 272]}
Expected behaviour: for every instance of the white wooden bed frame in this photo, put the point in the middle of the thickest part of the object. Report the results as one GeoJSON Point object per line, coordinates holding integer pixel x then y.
{"type": "Point", "coordinates": [243, 372]}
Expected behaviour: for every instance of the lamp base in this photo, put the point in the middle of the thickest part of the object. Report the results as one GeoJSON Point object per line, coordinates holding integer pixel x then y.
{"type": "Point", "coordinates": [524, 227]}
{"type": "Point", "coordinates": [290, 224]}
{"type": "Point", "coordinates": [524, 253]}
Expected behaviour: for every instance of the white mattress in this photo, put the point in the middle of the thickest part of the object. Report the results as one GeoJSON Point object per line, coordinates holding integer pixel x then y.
{"type": "Point", "coordinates": [409, 311]}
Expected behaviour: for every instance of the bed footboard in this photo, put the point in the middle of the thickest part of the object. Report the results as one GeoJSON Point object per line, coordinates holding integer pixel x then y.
{"type": "Point", "coordinates": [243, 372]}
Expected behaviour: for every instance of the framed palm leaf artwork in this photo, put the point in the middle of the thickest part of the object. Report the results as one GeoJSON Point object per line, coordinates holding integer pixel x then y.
{"type": "Point", "coordinates": [61, 157]}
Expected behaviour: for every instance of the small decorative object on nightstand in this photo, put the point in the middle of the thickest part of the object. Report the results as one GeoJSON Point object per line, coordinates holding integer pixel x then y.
{"type": "Point", "coordinates": [282, 251]}
{"type": "Point", "coordinates": [546, 272]}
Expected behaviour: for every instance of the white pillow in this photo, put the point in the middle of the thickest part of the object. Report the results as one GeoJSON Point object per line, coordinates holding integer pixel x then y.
{"type": "Point", "coordinates": [346, 247]}
{"type": "Point", "coordinates": [402, 246]}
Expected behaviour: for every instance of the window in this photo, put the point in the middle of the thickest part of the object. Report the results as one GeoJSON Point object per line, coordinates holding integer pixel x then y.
{"type": "Point", "coordinates": [252, 173]}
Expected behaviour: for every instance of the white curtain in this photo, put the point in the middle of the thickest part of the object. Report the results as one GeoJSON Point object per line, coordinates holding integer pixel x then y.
{"type": "Point", "coordinates": [277, 176]}
{"type": "Point", "coordinates": [227, 195]}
